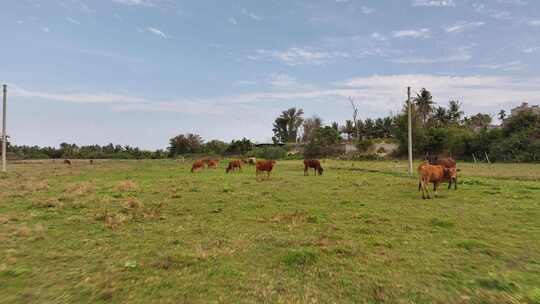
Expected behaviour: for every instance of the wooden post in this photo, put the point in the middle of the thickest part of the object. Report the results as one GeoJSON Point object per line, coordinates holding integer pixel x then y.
{"type": "Point", "coordinates": [409, 110]}
{"type": "Point", "coordinates": [4, 134]}
{"type": "Point", "coordinates": [487, 157]}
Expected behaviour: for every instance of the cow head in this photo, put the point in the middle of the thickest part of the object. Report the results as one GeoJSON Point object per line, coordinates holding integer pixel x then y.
{"type": "Point", "coordinates": [320, 170]}
{"type": "Point", "coordinates": [451, 174]}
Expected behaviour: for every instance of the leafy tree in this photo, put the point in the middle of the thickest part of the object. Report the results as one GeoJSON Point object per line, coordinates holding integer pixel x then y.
{"type": "Point", "coordinates": [310, 126]}
{"type": "Point", "coordinates": [478, 122]}
{"type": "Point", "coordinates": [184, 143]}
{"type": "Point", "coordinates": [348, 129]}
{"type": "Point", "coordinates": [286, 126]}
{"type": "Point", "coordinates": [369, 128]}
{"type": "Point", "coordinates": [240, 146]}
{"type": "Point", "coordinates": [215, 147]}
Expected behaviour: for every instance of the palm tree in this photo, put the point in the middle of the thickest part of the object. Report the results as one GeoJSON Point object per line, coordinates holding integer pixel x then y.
{"type": "Point", "coordinates": [441, 116]}
{"type": "Point", "coordinates": [424, 103]}
{"type": "Point", "coordinates": [287, 124]}
{"type": "Point", "coordinates": [454, 111]}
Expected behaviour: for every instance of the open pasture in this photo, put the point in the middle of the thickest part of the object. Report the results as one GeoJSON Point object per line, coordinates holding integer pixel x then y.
{"type": "Point", "coordinates": [141, 231]}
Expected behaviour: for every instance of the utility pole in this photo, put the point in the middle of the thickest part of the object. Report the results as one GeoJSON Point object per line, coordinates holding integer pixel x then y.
{"type": "Point", "coordinates": [4, 135]}
{"type": "Point", "coordinates": [409, 110]}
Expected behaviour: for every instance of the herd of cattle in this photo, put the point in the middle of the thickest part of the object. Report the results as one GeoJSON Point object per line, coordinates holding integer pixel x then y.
{"type": "Point", "coordinates": [432, 171]}
{"type": "Point", "coordinates": [261, 166]}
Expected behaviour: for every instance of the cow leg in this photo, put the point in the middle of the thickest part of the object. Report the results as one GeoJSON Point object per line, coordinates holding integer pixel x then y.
{"type": "Point", "coordinates": [423, 186]}
{"type": "Point", "coordinates": [435, 185]}
{"type": "Point", "coordinates": [455, 184]}
{"type": "Point", "coordinates": [450, 184]}
{"type": "Point", "coordinates": [306, 173]}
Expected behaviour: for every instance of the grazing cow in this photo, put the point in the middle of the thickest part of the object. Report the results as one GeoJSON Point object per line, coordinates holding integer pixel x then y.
{"type": "Point", "coordinates": [264, 166]}
{"type": "Point", "coordinates": [233, 165]}
{"type": "Point", "coordinates": [312, 163]}
{"type": "Point", "coordinates": [91, 162]}
{"type": "Point", "coordinates": [67, 162]}
{"type": "Point", "coordinates": [435, 174]}
{"type": "Point", "coordinates": [213, 164]}
{"type": "Point", "coordinates": [199, 164]}
{"type": "Point", "coordinates": [252, 161]}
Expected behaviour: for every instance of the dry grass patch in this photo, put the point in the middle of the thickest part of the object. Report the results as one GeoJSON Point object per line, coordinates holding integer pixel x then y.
{"type": "Point", "coordinates": [112, 220]}
{"type": "Point", "coordinates": [48, 203]}
{"type": "Point", "coordinates": [127, 186]}
{"type": "Point", "coordinates": [80, 188]}
{"type": "Point", "coordinates": [133, 203]}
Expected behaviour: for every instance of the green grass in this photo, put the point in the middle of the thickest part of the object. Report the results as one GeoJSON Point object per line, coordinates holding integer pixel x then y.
{"type": "Point", "coordinates": [150, 231]}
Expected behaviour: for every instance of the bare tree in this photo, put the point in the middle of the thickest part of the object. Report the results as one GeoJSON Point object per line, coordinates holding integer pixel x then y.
{"type": "Point", "coordinates": [355, 117]}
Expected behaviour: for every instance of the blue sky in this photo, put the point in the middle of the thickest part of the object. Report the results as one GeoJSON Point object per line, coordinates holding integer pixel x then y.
{"type": "Point", "coordinates": [138, 72]}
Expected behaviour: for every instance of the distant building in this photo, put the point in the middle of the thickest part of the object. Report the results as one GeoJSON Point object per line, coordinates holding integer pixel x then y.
{"type": "Point", "coordinates": [525, 107]}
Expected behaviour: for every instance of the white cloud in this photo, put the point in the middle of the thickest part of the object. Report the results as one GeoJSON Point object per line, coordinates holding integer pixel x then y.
{"type": "Point", "coordinates": [474, 91]}
{"type": "Point", "coordinates": [530, 50]}
{"type": "Point", "coordinates": [462, 26]}
{"type": "Point", "coordinates": [82, 98]}
{"type": "Point", "coordinates": [282, 80]}
{"type": "Point", "coordinates": [421, 33]}
{"type": "Point", "coordinates": [513, 2]}
{"type": "Point", "coordinates": [157, 32]}
{"type": "Point", "coordinates": [233, 21]}
{"type": "Point", "coordinates": [298, 56]}
{"type": "Point", "coordinates": [46, 29]}
{"type": "Point", "coordinates": [148, 3]}
{"type": "Point", "coordinates": [434, 3]}
{"type": "Point", "coordinates": [251, 15]}
{"type": "Point", "coordinates": [380, 94]}
{"type": "Point", "coordinates": [506, 67]}
{"type": "Point", "coordinates": [378, 37]}
{"type": "Point", "coordinates": [74, 21]}
{"type": "Point", "coordinates": [534, 23]}
{"type": "Point", "coordinates": [459, 55]}
{"type": "Point", "coordinates": [367, 10]}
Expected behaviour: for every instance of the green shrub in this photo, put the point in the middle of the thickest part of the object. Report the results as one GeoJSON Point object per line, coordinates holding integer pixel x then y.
{"type": "Point", "coordinates": [274, 152]}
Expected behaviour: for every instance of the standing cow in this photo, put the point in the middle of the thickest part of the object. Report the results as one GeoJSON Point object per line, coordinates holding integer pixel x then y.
{"type": "Point", "coordinates": [264, 166]}
{"type": "Point", "coordinates": [312, 163]}
{"type": "Point", "coordinates": [233, 165]}
{"type": "Point", "coordinates": [435, 174]}
{"type": "Point", "coordinates": [197, 165]}
{"type": "Point", "coordinates": [448, 163]}
{"type": "Point", "coordinates": [213, 163]}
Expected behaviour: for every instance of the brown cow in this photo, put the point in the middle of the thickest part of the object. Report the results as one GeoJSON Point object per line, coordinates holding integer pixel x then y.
{"type": "Point", "coordinates": [213, 163]}
{"type": "Point", "coordinates": [67, 162]}
{"type": "Point", "coordinates": [449, 163]}
{"type": "Point", "coordinates": [233, 165]}
{"type": "Point", "coordinates": [199, 164]}
{"type": "Point", "coordinates": [435, 174]}
{"type": "Point", "coordinates": [312, 163]}
{"type": "Point", "coordinates": [264, 166]}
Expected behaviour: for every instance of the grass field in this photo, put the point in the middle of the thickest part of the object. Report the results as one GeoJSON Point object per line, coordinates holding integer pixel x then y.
{"type": "Point", "coordinates": [150, 231]}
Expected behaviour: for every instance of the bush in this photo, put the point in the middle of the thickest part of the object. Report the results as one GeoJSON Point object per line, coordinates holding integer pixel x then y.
{"type": "Point", "coordinates": [274, 152]}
